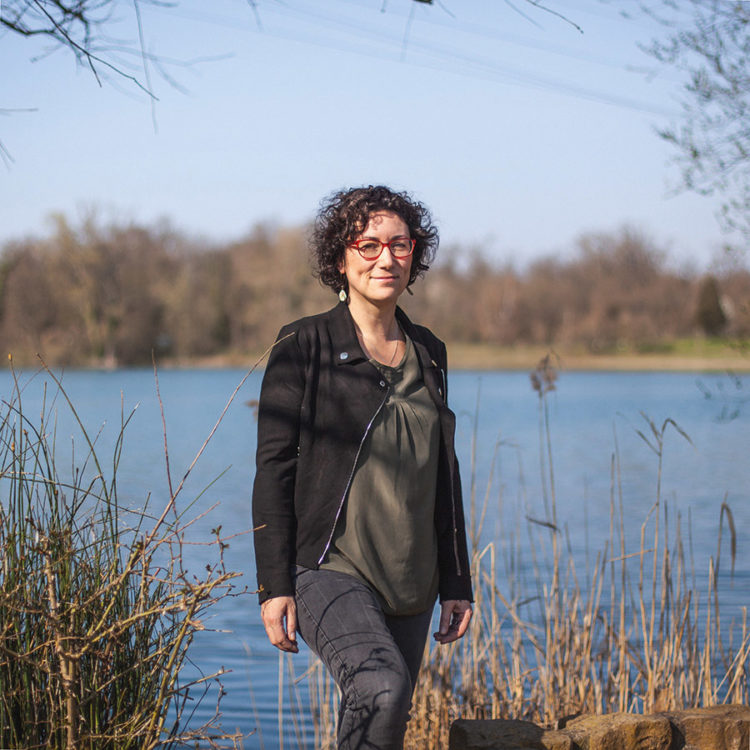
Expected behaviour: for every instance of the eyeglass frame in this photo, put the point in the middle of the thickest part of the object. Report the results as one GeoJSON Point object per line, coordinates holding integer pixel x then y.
{"type": "Point", "coordinates": [383, 245]}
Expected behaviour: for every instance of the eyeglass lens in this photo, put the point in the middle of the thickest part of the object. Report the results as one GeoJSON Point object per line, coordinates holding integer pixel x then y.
{"type": "Point", "coordinates": [370, 249]}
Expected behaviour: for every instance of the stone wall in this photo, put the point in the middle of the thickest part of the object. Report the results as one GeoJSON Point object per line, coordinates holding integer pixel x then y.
{"type": "Point", "coordinates": [714, 728]}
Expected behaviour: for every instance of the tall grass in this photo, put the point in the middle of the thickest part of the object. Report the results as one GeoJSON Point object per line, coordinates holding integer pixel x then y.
{"type": "Point", "coordinates": [638, 630]}
{"type": "Point", "coordinates": [97, 612]}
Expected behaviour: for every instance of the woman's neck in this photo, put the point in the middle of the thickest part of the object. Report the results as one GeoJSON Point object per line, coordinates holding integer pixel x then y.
{"type": "Point", "coordinates": [378, 331]}
{"type": "Point", "coordinates": [373, 320]}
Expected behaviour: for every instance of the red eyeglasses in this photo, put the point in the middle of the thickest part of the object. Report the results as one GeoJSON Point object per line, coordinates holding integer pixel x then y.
{"type": "Point", "coordinates": [370, 249]}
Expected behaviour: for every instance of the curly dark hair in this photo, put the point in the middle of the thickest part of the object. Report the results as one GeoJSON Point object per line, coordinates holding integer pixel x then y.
{"type": "Point", "coordinates": [345, 214]}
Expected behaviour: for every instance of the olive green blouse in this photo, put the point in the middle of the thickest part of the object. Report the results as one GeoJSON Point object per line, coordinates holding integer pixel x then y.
{"type": "Point", "coordinates": [385, 535]}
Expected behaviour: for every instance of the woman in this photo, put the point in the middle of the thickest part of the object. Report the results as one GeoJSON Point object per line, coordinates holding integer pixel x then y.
{"type": "Point", "coordinates": [357, 496]}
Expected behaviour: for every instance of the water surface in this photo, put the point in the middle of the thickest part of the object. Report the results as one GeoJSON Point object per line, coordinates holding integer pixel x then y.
{"type": "Point", "coordinates": [595, 419]}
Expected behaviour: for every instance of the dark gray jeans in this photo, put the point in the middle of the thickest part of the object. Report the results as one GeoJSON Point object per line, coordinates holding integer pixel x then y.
{"type": "Point", "coordinates": [373, 657]}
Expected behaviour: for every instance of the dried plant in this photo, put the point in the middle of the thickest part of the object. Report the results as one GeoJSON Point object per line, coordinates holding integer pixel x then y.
{"type": "Point", "coordinates": [97, 612]}
{"type": "Point", "coordinates": [635, 633]}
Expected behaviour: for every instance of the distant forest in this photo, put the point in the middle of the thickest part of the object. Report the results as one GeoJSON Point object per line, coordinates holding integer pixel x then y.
{"type": "Point", "coordinates": [112, 293]}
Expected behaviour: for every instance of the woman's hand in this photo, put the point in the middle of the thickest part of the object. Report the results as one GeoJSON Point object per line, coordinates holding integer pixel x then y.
{"type": "Point", "coordinates": [279, 616]}
{"type": "Point", "coordinates": [455, 615]}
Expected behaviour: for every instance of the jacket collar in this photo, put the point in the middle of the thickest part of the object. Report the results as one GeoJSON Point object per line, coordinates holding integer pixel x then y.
{"type": "Point", "coordinates": [346, 348]}
{"type": "Point", "coordinates": [346, 344]}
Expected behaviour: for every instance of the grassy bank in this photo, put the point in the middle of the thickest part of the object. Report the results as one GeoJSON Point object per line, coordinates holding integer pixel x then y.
{"type": "Point", "coordinates": [696, 354]}
{"type": "Point", "coordinates": [685, 355]}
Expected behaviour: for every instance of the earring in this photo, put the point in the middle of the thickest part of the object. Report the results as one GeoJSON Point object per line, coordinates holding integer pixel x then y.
{"type": "Point", "coordinates": [342, 295]}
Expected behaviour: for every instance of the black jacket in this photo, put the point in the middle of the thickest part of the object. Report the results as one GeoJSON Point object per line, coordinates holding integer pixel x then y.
{"type": "Point", "coordinates": [318, 400]}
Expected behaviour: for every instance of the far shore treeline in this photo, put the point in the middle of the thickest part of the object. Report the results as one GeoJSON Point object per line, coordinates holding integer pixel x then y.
{"type": "Point", "coordinates": [111, 293]}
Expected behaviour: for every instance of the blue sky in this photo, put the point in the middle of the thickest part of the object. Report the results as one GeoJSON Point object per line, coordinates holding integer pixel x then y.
{"type": "Point", "coordinates": [520, 132]}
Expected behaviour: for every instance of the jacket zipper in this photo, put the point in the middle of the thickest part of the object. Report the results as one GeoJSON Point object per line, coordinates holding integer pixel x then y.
{"type": "Point", "coordinates": [351, 476]}
{"type": "Point", "coordinates": [455, 527]}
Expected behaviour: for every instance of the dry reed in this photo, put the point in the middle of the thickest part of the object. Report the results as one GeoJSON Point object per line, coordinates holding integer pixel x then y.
{"type": "Point", "coordinates": [639, 636]}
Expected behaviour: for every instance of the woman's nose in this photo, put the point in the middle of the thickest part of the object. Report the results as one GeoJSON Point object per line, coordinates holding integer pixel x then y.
{"type": "Point", "coordinates": [386, 256]}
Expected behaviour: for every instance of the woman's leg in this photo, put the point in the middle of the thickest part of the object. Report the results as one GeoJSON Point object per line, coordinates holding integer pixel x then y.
{"type": "Point", "coordinates": [340, 619]}
{"type": "Point", "coordinates": [410, 635]}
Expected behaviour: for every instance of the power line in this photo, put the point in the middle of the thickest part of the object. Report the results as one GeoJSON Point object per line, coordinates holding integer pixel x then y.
{"type": "Point", "coordinates": [474, 65]}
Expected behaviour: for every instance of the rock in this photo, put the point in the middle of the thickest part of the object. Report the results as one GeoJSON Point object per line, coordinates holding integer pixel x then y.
{"type": "Point", "coordinates": [502, 734]}
{"type": "Point", "coordinates": [712, 728]}
{"type": "Point", "coordinates": [620, 732]}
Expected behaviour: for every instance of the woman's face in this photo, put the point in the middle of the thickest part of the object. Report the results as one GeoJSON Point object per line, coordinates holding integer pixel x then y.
{"type": "Point", "coordinates": [381, 281]}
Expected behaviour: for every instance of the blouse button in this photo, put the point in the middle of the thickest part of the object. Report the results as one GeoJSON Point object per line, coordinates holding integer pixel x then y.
{"type": "Point", "coordinates": [344, 355]}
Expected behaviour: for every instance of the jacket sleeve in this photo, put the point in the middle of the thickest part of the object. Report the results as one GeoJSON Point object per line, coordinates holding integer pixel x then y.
{"type": "Point", "coordinates": [455, 581]}
{"type": "Point", "coordinates": [274, 522]}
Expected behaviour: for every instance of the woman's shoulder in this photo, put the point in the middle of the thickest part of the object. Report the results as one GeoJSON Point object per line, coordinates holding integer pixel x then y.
{"type": "Point", "coordinates": [428, 338]}
{"type": "Point", "coordinates": [309, 322]}
{"type": "Point", "coordinates": [298, 342]}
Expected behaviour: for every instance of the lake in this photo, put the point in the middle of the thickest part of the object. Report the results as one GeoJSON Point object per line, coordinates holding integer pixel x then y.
{"type": "Point", "coordinates": [592, 417]}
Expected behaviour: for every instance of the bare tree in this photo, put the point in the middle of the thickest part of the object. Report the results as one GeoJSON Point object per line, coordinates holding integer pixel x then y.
{"type": "Point", "coordinates": [709, 41]}
{"type": "Point", "coordinates": [87, 28]}
{"type": "Point", "coordinates": [83, 27]}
